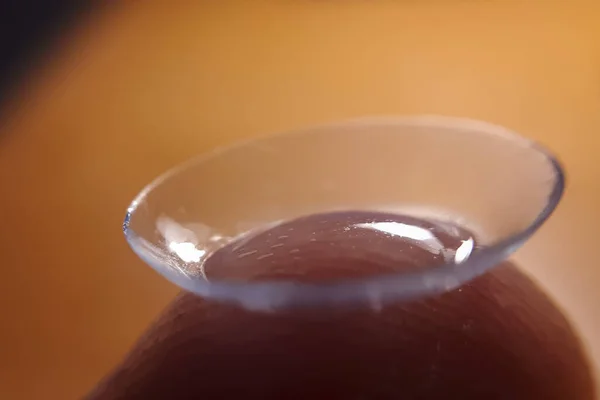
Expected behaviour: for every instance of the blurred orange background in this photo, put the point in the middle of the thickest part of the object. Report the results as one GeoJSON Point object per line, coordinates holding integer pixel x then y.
{"type": "Point", "coordinates": [138, 87]}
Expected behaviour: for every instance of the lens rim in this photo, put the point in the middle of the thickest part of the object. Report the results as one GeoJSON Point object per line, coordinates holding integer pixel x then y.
{"type": "Point", "coordinates": [377, 290]}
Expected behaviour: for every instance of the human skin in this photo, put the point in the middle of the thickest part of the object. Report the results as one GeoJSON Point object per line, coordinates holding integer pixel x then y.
{"type": "Point", "coordinates": [497, 337]}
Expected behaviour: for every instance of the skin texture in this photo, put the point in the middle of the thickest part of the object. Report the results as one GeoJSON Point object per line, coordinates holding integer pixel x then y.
{"type": "Point", "coordinates": [497, 337]}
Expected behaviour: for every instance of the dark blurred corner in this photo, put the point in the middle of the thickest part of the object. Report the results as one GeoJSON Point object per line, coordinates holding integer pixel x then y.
{"type": "Point", "coordinates": [28, 31]}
